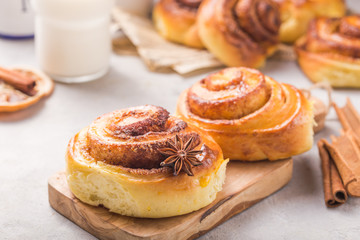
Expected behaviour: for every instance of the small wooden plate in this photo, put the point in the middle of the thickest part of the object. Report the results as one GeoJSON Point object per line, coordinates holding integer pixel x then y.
{"type": "Point", "coordinates": [245, 185]}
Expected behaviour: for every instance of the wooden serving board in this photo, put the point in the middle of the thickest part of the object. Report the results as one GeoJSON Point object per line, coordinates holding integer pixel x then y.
{"type": "Point", "coordinates": [245, 185]}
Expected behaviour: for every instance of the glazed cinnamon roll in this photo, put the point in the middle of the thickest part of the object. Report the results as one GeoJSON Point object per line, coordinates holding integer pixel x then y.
{"type": "Point", "coordinates": [251, 116]}
{"type": "Point", "coordinates": [142, 162]}
{"type": "Point", "coordinates": [297, 14]}
{"type": "Point", "coordinates": [330, 51]}
{"type": "Point", "coordinates": [176, 21]}
{"type": "Point", "coordinates": [239, 32]}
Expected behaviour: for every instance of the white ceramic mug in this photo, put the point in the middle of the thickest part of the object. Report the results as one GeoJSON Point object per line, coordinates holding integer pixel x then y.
{"type": "Point", "coordinates": [16, 19]}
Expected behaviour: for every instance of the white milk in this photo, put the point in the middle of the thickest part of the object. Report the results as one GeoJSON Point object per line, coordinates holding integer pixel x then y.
{"type": "Point", "coordinates": [73, 38]}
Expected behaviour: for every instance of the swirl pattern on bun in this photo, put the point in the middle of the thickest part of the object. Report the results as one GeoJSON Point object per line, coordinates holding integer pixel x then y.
{"type": "Point", "coordinates": [251, 116]}
{"type": "Point", "coordinates": [116, 162]}
{"type": "Point", "coordinates": [330, 51]}
{"type": "Point", "coordinates": [175, 20]}
{"type": "Point", "coordinates": [239, 32]}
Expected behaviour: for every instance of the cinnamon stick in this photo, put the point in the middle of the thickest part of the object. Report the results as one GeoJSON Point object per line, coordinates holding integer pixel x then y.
{"type": "Point", "coordinates": [349, 118]}
{"type": "Point", "coordinates": [334, 191]}
{"type": "Point", "coordinates": [19, 81]}
{"type": "Point", "coordinates": [346, 155]}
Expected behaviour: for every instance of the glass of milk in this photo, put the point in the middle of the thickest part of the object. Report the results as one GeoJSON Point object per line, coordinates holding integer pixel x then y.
{"type": "Point", "coordinates": [72, 38]}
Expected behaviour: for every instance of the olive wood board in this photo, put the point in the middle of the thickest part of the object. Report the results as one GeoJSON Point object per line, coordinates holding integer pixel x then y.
{"type": "Point", "coordinates": [245, 185]}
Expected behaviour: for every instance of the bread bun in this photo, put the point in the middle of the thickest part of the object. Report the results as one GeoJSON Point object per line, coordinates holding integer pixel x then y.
{"type": "Point", "coordinates": [251, 116]}
{"type": "Point", "coordinates": [297, 14]}
{"type": "Point", "coordinates": [239, 32]}
{"type": "Point", "coordinates": [175, 20]}
{"type": "Point", "coordinates": [330, 51]}
{"type": "Point", "coordinates": [117, 162]}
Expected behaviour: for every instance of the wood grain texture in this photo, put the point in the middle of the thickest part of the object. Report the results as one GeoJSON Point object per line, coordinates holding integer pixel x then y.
{"type": "Point", "coordinates": [245, 185]}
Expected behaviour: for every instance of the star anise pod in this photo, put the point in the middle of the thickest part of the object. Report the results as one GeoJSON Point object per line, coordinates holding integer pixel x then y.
{"type": "Point", "coordinates": [181, 156]}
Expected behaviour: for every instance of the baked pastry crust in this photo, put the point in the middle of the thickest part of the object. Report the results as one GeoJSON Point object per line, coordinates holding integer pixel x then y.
{"type": "Point", "coordinates": [115, 162]}
{"type": "Point", "coordinates": [239, 33]}
{"type": "Point", "coordinates": [175, 20]}
{"type": "Point", "coordinates": [251, 116]}
{"type": "Point", "coordinates": [330, 51]}
{"type": "Point", "coordinates": [12, 100]}
{"type": "Point", "coordinates": [297, 14]}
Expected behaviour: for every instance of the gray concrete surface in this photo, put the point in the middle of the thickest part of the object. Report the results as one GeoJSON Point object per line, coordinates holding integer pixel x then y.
{"type": "Point", "coordinates": [33, 142]}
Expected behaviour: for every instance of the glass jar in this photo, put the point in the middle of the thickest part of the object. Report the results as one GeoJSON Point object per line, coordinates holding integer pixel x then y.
{"type": "Point", "coordinates": [16, 19]}
{"type": "Point", "coordinates": [72, 38]}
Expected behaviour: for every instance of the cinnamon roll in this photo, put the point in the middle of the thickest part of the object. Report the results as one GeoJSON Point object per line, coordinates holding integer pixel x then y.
{"type": "Point", "coordinates": [175, 20]}
{"type": "Point", "coordinates": [297, 14]}
{"type": "Point", "coordinates": [251, 116]}
{"type": "Point", "coordinates": [330, 51]}
{"type": "Point", "coordinates": [142, 162]}
{"type": "Point", "coordinates": [21, 87]}
{"type": "Point", "coordinates": [239, 32]}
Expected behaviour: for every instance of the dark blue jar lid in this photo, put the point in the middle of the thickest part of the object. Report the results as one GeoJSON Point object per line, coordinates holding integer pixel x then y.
{"type": "Point", "coordinates": [16, 37]}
